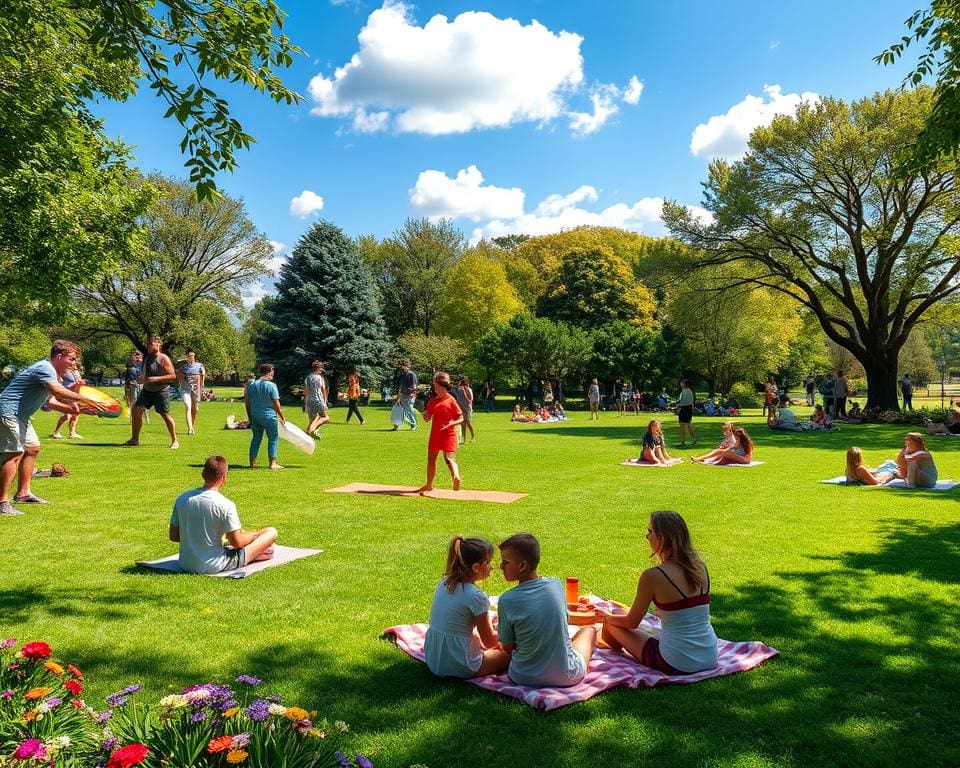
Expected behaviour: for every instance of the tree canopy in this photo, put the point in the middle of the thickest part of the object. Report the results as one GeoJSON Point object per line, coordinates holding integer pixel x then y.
{"type": "Point", "coordinates": [818, 211]}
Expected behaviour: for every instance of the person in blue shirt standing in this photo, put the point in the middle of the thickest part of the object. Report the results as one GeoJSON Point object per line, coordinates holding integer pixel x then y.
{"type": "Point", "coordinates": [35, 385]}
{"type": "Point", "coordinates": [408, 393]}
{"type": "Point", "coordinates": [262, 401]}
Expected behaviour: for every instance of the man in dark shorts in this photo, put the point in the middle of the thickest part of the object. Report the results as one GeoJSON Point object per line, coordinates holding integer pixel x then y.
{"type": "Point", "coordinates": [158, 374]}
{"type": "Point", "coordinates": [408, 394]}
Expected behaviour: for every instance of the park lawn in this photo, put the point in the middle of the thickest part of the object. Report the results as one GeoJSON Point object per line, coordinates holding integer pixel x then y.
{"type": "Point", "coordinates": [859, 589]}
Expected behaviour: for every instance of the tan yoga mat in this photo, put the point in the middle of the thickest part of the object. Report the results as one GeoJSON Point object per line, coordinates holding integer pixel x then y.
{"type": "Point", "coordinates": [281, 555]}
{"type": "Point", "coordinates": [497, 497]}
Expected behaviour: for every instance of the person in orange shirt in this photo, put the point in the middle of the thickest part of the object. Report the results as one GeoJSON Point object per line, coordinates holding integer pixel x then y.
{"type": "Point", "coordinates": [444, 415]}
{"type": "Point", "coordinates": [353, 396]}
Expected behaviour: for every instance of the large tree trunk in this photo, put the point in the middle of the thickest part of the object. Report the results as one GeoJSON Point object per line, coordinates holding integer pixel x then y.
{"type": "Point", "coordinates": [882, 384]}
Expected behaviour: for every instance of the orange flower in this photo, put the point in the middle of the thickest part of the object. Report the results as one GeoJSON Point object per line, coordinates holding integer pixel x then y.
{"type": "Point", "coordinates": [295, 713]}
{"type": "Point", "coordinates": [52, 666]}
{"type": "Point", "coordinates": [37, 693]}
{"type": "Point", "coordinates": [219, 744]}
{"type": "Point", "coordinates": [235, 756]}
{"type": "Point", "coordinates": [231, 712]}
{"type": "Point", "coordinates": [31, 715]}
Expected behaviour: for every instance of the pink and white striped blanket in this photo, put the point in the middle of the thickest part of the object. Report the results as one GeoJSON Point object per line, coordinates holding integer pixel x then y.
{"type": "Point", "coordinates": [607, 669]}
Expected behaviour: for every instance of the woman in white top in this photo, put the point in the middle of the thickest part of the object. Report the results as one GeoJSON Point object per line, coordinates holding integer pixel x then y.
{"type": "Point", "coordinates": [680, 589]}
{"type": "Point", "coordinates": [461, 641]}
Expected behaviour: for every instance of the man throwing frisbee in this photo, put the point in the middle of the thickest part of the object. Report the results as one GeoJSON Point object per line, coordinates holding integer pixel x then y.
{"type": "Point", "coordinates": [19, 445]}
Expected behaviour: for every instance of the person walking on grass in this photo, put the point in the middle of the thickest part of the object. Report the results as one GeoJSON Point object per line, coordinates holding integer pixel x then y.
{"type": "Point", "coordinates": [353, 397]}
{"type": "Point", "coordinates": [35, 385]}
{"type": "Point", "coordinates": [72, 380]}
{"type": "Point", "coordinates": [444, 416]}
{"type": "Point", "coordinates": [262, 402]}
{"type": "Point", "coordinates": [407, 395]}
{"type": "Point", "coordinates": [315, 398]}
{"type": "Point", "coordinates": [158, 374]}
{"type": "Point", "coordinates": [685, 412]}
{"type": "Point", "coordinates": [464, 395]}
{"type": "Point", "coordinates": [193, 377]}
{"type": "Point", "coordinates": [593, 399]}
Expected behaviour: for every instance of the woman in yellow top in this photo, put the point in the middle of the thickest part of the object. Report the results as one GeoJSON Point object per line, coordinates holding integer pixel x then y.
{"type": "Point", "coordinates": [353, 396]}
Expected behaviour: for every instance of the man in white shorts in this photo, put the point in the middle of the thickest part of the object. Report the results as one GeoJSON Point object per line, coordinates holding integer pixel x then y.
{"type": "Point", "coordinates": [193, 377]}
{"type": "Point", "coordinates": [203, 517]}
{"type": "Point", "coordinates": [19, 445]}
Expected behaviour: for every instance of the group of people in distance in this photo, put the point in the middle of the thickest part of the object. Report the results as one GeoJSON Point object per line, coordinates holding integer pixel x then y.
{"type": "Point", "coordinates": [542, 414]}
{"type": "Point", "coordinates": [531, 642]}
{"type": "Point", "coordinates": [735, 447]}
{"type": "Point", "coordinates": [914, 464]}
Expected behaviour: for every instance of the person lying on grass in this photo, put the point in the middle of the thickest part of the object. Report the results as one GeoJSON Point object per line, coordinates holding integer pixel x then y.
{"type": "Point", "coordinates": [444, 416]}
{"type": "Point", "coordinates": [679, 587]}
{"type": "Point", "coordinates": [461, 641]}
{"type": "Point", "coordinates": [858, 473]}
{"type": "Point", "coordinates": [203, 517]}
{"type": "Point", "coordinates": [533, 622]}
{"type": "Point", "coordinates": [949, 427]}
{"type": "Point", "coordinates": [915, 464]}
{"type": "Point", "coordinates": [740, 453]}
{"type": "Point", "coordinates": [654, 450]}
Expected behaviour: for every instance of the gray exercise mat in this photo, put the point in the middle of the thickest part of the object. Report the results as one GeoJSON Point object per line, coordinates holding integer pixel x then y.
{"type": "Point", "coordinates": [281, 555]}
{"type": "Point", "coordinates": [942, 485]}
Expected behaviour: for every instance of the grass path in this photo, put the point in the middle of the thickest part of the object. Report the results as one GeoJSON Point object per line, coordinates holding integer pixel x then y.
{"type": "Point", "coordinates": [859, 589]}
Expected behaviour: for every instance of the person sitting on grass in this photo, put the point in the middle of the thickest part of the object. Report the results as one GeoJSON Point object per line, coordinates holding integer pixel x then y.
{"type": "Point", "coordinates": [740, 453]}
{"type": "Point", "coordinates": [654, 450]}
{"type": "Point", "coordinates": [461, 641]}
{"type": "Point", "coordinates": [558, 413]}
{"type": "Point", "coordinates": [915, 464]}
{"type": "Point", "coordinates": [951, 426]}
{"type": "Point", "coordinates": [204, 517]}
{"type": "Point", "coordinates": [520, 416]}
{"type": "Point", "coordinates": [820, 418]}
{"type": "Point", "coordinates": [727, 440]}
{"type": "Point", "coordinates": [785, 419]}
{"type": "Point", "coordinates": [854, 415]}
{"type": "Point", "coordinates": [857, 473]}
{"type": "Point", "coordinates": [444, 416]}
{"type": "Point", "coordinates": [533, 622]}
{"type": "Point", "coordinates": [680, 589]}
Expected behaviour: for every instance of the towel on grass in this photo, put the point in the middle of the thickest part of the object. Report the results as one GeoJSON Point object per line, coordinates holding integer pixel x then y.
{"type": "Point", "coordinates": [607, 669]}
{"type": "Point", "coordinates": [715, 464]}
{"type": "Point", "coordinates": [464, 494]}
{"type": "Point", "coordinates": [942, 485]}
{"type": "Point", "coordinates": [637, 463]}
{"type": "Point", "coordinates": [281, 555]}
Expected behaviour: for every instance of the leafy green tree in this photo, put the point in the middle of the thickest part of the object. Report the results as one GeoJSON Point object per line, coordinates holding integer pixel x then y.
{"type": "Point", "coordinates": [433, 353]}
{"type": "Point", "coordinates": [643, 356]}
{"type": "Point", "coordinates": [594, 287]}
{"type": "Point", "coordinates": [325, 309]}
{"type": "Point", "coordinates": [815, 212]}
{"type": "Point", "coordinates": [411, 272]}
{"type": "Point", "coordinates": [195, 251]}
{"type": "Point", "coordinates": [220, 346]}
{"type": "Point", "coordinates": [22, 343]}
{"type": "Point", "coordinates": [939, 27]}
{"type": "Point", "coordinates": [806, 353]}
{"type": "Point", "coordinates": [478, 296]}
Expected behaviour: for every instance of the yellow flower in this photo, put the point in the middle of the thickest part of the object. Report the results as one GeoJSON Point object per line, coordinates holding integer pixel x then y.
{"type": "Point", "coordinates": [295, 713]}
{"type": "Point", "coordinates": [235, 756]}
{"type": "Point", "coordinates": [37, 693]}
{"type": "Point", "coordinates": [231, 712]}
{"type": "Point", "coordinates": [52, 666]}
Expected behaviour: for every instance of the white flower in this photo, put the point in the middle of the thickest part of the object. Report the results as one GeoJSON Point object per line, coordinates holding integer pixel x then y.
{"type": "Point", "coordinates": [174, 701]}
{"type": "Point", "coordinates": [278, 710]}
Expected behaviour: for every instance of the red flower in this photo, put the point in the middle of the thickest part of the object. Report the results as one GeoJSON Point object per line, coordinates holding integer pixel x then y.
{"type": "Point", "coordinates": [74, 687]}
{"type": "Point", "coordinates": [75, 672]}
{"type": "Point", "coordinates": [219, 744]}
{"type": "Point", "coordinates": [36, 650]}
{"type": "Point", "coordinates": [127, 756]}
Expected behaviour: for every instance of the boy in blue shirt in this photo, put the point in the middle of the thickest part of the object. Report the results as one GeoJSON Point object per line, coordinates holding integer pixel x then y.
{"type": "Point", "coordinates": [533, 622]}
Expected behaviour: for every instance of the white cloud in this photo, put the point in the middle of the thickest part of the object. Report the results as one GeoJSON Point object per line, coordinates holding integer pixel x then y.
{"type": "Point", "coordinates": [553, 205]}
{"type": "Point", "coordinates": [476, 71]}
{"type": "Point", "coordinates": [631, 93]}
{"type": "Point", "coordinates": [253, 293]}
{"type": "Point", "coordinates": [305, 204]}
{"type": "Point", "coordinates": [436, 195]}
{"type": "Point", "coordinates": [604, 107]}
{"type": "Point", "coordinates": [279, 258]}
{"type": "Point", "coordinates": [727, 135]}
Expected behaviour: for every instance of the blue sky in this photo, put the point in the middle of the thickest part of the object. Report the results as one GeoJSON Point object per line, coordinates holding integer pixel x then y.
{"type": "Point", "coordinates": [521, 116]}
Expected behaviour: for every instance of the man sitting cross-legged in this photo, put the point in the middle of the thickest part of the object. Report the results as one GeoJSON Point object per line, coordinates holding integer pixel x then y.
{"type": "Point", "coordinates": [203, 517]}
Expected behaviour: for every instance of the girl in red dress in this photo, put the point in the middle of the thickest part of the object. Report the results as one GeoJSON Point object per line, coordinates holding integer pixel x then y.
{"type": "Point", "coordinates": [444, 416]}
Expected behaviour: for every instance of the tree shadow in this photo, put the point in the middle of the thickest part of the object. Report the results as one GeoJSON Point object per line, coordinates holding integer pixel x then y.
{"type": "Point", "coordinates": [913, 548]}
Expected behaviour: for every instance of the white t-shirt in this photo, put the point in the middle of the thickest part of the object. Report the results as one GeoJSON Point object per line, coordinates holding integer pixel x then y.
{"type": "Point", "coordinates": [204, 517]}
{"type": "Point", "coordinates": [787, 416]}
{"type": "Point", "coordinates": [452, 647]}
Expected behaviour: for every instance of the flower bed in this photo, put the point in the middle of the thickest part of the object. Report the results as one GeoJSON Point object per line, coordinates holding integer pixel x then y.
{"type": "Point", "coordinates": [45, 722]}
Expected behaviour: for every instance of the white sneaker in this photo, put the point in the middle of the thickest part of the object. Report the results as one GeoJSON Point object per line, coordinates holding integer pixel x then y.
{"type": "Point", "coordinates": [57, 436]}
{"type": "Point", "coordinates": [174, 445]}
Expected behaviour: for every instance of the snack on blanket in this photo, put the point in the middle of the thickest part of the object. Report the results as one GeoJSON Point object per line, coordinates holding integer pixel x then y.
{"type": "Point", "coordinates": [583, 613]}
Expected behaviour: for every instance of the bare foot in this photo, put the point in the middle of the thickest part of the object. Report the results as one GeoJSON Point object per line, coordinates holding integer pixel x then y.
{"type": "Point", "coordinates": [276, 466]}
{"type": "Point", "coordinates": [456, 483]}
{"type": "Point", "coordinates": [424, 489]}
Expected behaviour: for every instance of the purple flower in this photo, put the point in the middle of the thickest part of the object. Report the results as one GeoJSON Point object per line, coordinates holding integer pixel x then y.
{"type": "Point", "coordinates": [198, 717]}
{"type": "Point", "coordinates": [110, 744]}
{"type": "Point", "coordinates": [104, 716]}
{"type": "Point", "coordinates": [8, 643]}
{"type": "Point", "coordinates": [117, 699]}
{"type": "Point", "coordinates": [130, 690]}
{"type": "Point", "coordinates": [249, 680]}
{"type": "Point", "coordinates": [363, 762]}
{"type": "Point", "coordinates": [258, 710]}
{"type": "Point", "coordinates": [342, 760]}
{"type": "Point", "coordinates": [274, 698]}
{"type": "Point", "coordinates": [8, 694]}
{"type": "Point", "coordinates": [241, 740]}
{"type": "Point", "coordinates": [54, 702]}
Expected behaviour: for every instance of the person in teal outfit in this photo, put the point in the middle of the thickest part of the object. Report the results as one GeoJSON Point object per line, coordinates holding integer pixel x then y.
{"type": "Point", "coordinates": [262, 401]}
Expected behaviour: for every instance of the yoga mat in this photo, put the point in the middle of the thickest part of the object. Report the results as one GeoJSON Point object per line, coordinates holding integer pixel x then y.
{"type": "Point", "coordinates": [751, 464]}
{"type": "Point", "coordinates": [942, 485]}
{"type": "Point", "coordinates": [297, 437]}
{"type": "Point", "coordinates": [281, 555]}
{"type": "Point", "coordinates": [606, 670]}
{"type": "Point", "coordinates": [635, 463]}
{"type": "Point", "coordinates": [497, 497]}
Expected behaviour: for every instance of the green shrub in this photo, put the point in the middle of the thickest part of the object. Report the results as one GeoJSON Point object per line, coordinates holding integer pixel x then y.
{"type": "Point", "coordinates": [746, 394]}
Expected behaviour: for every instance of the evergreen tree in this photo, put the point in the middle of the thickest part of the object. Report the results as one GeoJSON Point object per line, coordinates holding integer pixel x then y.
{"type": "Point", "coordinates": [325, 309]}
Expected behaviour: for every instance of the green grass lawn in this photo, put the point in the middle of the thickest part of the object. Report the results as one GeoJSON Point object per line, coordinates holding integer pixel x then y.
{"type": "Point", "coordinates": [859, 589]}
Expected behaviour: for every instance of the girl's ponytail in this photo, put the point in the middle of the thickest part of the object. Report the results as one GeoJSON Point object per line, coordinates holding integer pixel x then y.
{"type": "Point", "coordinates": [462, 555]}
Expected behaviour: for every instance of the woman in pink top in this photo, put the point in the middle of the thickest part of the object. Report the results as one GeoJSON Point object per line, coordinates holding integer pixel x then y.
{"type": "Point", "coordinates": [680, 589]}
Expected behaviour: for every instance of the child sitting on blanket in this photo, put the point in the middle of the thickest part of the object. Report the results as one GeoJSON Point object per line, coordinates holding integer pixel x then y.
{"type": "Point", "coordinates": [915, 464]}
{"type": "Point", "coordinates": [857, 473]}
{"type": "Point", "coordinates": [740, 453]}
{"type": "Point", "coordinates": [654, 451]}
{"type": "Point", "coordinates": [680, 589]}
{"type": "Point", "coordinates": [820, 418]}
{"type": "Point", "coordinates": [533, 622]}
{"type": "Point", "coordinates": [460, 641]}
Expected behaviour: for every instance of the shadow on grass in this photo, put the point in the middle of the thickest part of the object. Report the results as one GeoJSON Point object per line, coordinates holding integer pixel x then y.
{"type": "Point", "coordinates": [20, 605]}
{"type": "Point", "coordinates": [913, 548]}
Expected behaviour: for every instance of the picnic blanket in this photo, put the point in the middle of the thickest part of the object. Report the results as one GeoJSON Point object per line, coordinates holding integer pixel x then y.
{"type": "Point", "coordinates": [281, 555]}
{"type": "Point", "coordinates": [607, 669]}
{"type": "Point", "coordinates": [637, 463]}
{"type": "Point", "coordinates": [942, 485]}
{"type": "Point", "coordinates": [715, 464]}
{"type": "Point", "coordinates": [497, 497]}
